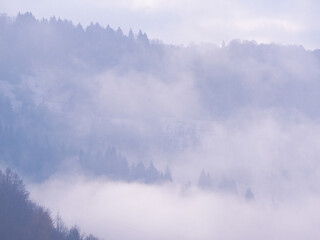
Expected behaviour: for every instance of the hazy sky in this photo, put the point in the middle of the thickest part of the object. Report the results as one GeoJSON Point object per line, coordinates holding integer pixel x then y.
{"type": "Point", "coordinates": [185, 21]}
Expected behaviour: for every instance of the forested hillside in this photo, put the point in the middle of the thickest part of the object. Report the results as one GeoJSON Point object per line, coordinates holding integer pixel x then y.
{"type": "Point", "coordinates": [21, 218]}
{"type": "Point", "coordinates": [37, 138]}
{"type": "Point", "coordinates": [101, 102]}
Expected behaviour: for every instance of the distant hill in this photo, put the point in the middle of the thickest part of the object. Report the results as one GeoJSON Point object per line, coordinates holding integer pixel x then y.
{"type": "Point", "coordinates": [103, 102]}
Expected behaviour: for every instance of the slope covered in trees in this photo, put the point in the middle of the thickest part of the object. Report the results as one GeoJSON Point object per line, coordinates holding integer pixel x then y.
{"type": "Point", "coordinates": [104, 102]}
{"type": "Point", "coordinates": [38, 141]}
{"type": "Point", "coordinates": [21, 218]}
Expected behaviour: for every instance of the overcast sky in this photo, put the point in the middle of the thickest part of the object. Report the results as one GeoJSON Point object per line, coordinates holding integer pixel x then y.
{"type": "Point", "coordinates": [186, 21]}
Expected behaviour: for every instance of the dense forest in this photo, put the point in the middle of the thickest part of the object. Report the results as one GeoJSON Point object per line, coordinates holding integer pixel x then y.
{"type": "Point", "coordinates": [22, 218]}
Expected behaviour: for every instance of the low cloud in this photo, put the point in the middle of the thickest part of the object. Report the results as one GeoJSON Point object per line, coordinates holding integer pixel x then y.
{"type": "Point", "coordinates": [114, 210]}
{"type": "Point", "coordinates": [275, 155]}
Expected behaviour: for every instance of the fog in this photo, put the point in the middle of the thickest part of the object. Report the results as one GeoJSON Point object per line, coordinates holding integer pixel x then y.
{"type": "Point", "coordinates": [131, 138]}
{"type": "Point", "coordinates": [134, 211]}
